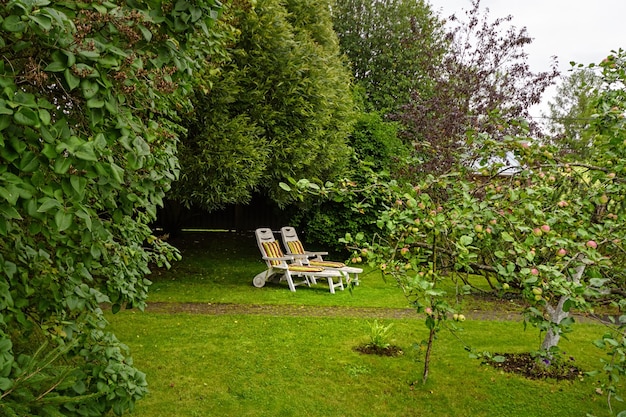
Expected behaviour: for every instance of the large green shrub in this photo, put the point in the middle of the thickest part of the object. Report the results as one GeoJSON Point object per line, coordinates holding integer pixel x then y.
{"type": "Point", "coordinates": [378, 152]}
{"type": "Point", "coordinates": [89, 97]}
{"type": "Point", "coordinates": [279, 104]}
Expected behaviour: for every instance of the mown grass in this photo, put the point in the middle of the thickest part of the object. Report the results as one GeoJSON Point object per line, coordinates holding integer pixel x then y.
{"type": "Point", "coordinates": [296, 366]}
{"type": "Point", "coordinates": [219, 267]}
{"type": "Point", "coordinates": [247, 365]}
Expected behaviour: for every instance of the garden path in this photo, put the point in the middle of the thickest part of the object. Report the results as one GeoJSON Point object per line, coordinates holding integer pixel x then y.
{"type": "Point", "coordinates": [313, 311]}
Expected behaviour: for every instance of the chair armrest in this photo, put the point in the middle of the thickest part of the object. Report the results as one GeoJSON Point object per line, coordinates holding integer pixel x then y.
{"type": "Point", "coordinates": [278, 258]}
{"type": "Point", "coordinates": [317, 253]}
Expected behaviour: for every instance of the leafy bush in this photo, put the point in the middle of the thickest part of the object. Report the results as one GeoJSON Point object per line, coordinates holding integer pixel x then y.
{"type": "Point", "coordinates": [89, 99]}
{"type": "Point", "coordinates": [378, 152]}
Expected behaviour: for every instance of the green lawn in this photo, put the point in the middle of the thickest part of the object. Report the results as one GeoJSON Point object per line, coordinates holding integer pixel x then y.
{"type": "Point", "coordinates": [253, 365]}
{"type": "Point", "coordinates": [219, 267]}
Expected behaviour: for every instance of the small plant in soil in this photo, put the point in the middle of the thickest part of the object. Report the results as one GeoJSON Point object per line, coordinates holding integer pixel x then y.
{"type": "Point", "coordinates": [379, 341]}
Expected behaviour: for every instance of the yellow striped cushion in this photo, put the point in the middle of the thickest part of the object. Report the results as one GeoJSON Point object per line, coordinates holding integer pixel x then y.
{"type": "Point", "coordinates": [295, 246]}
{"type": "Point", "coordinates": [272, 249]}
{"type": "Point", "coordinates": [327, 264]}
{"type": "Point", "coordinates": [302, 268]}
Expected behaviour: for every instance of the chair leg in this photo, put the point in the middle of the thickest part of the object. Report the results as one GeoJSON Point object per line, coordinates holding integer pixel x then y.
{"type": "Point", "coordinates": [332, 285]}
{"type": "Point", "coordinates": [355, 279]}
{"type": "Point", "coordinates": [292, 286]}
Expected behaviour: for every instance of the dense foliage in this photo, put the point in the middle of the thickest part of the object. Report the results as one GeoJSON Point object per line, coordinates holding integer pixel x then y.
{"type": "Point", "coordinates": [393, 46]}
{"type": "Point", "coordinates": [378, 152]}
{"type": "Point", "coordinates": [88, 133]}
{"type": "Point", "coordinates": [279, 104]}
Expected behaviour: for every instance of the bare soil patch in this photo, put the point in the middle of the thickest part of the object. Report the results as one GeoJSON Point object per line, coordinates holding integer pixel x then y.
{"type": "Point", "coordinates": [379, 350]}
{"type": "Point", "coordinates": [532, 367]}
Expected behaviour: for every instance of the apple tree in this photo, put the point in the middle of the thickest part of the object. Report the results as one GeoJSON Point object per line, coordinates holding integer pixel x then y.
{"type": "Point", "coordinates": [552, 230]}
{"type": "Point", "coordinates": [89, 101]}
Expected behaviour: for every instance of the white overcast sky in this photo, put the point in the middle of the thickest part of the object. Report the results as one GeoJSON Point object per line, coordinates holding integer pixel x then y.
{"type": "Point", "coordinates": [572, 30]}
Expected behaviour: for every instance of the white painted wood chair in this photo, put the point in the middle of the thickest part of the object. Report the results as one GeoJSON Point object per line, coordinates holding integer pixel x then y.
{"type": "Point", "coordinates": [287, 267]}
{"type": "Point", "coordinates": [294, 247]}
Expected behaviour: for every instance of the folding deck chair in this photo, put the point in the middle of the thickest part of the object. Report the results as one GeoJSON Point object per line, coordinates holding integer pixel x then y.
{"type": "Point", "coordinates": [286, 267]}
{"type": "Point", "coordinates": [294, 247]}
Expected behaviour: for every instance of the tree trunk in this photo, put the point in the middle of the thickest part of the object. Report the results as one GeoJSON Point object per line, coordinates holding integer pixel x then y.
{"type": "Point", "coordinates": [431, 338]}
{"type": "Point", "coordinates": [557, 314]}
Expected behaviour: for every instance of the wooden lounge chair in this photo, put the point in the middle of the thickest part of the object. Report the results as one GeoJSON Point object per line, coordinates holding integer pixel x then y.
{"type": "Point", "coordinates": [287, 267]}
{"type": "Point", "coordinates": [294, 247]}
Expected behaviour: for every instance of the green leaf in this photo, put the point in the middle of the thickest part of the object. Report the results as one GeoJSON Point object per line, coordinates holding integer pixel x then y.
{"type": "Point", "coordinates": [10, 194]}
{"type": "Point", "coordinates": [5, 121]}
{"type": "Point", "coordinates": [147, 34]}
{"type": "Point", "coordinates": [531, 280]}
{"type": "Point", "coordinates": [89, 54]}
{"type": "Point", "coordinates": [108, 61]}
{"type": "Point", "coordinates": [4, 109]}
{"type": "Point", "coordinates": [10, 212]}
{"type": "Point", "coordinates": [61, 165]}
{"type": "Point", "coordinates": [95, 103]}
{"type": "Point", "coordinates": [142, 148]}
{"type": "Point", "coordinates": [29, 162]}
{"type": "Point", "coordinates": [284, 186]}
{"type": "Point", "coordinates": [26, 116]}
{"type": "Point", "coordinates": [117, 173]}
{"type": "Point", "coordinates": [63, 220]}
{"type": "Point", "coordinates": [78, 184]}
{"type": "Point", "coordinates": [48, 204]}
{"type": "Point", "coordinates": [89, 88]}
{"type": "Point", "coordinates": [597, 282]}
{"type": "Point", "coordinates": [71, 80]}
{"type": "Point", "coordinates": [79, 387]}
{"type": "Point", "coordinates": [86, 217]}
{"type": "Point", "coordinates": [507, 237]}
{"type": "Point", "coordinates": [5, 384]}
{"type": "Point", "coordinates": [25, 99]}
{"type": "Point", "coordinates": [567, 305]}
{"type": "Point", "coordinates": [44, 116]}
{"type": "Point", "coordinates": [42, 21]}
{"type": "Point", "coordinates": [59, 62]}
{"type": "Point", "coordinates": [13, 23]}
{"type": "Point", "coordinates": [86, 152]}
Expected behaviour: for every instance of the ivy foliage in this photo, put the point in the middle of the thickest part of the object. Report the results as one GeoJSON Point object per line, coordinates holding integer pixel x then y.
{"type": "Point", "coordinates": [89, 99]}
{"type": "Point", "coordinates": [278, 104]}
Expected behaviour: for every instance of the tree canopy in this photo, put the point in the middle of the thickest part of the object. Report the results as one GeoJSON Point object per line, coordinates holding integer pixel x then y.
{"type": "Point", "coordinates": [571, 111]}
{"type": "Point", "coordinates": [393, 47]}
{"type": "Point", "coordinates": [279, 105]}
{"type": "Point", "coordinates": [483, 75]}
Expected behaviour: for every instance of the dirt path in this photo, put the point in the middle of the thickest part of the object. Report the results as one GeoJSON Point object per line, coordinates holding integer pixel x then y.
{"type": "Point", "coordinates": [314, 311]}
